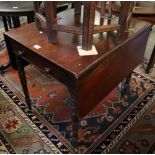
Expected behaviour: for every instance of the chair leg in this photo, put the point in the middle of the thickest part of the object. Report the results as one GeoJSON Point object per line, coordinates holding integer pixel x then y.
{"type": "Point", "coordinates": [9, 22]}
{"type": "Point", "coordinates": [5, 23]}
{"type": "Point", "coordinates": [30, 19]}
{"type": "Point", "coordinates": [16, 21]}
{"type": "Point", "coordinates": [74, 122]}
{"type": "Point", "coordinates": [151, 62]}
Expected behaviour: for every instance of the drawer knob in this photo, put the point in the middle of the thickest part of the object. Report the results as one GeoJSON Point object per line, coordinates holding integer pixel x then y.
{"type": "Point", "coordinates": [47, 70]}
{"type": "Point", "coordinates": [20, 53]}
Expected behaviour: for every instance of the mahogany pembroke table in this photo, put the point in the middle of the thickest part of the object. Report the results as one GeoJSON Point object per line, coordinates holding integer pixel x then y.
{"type": "Point", "coordinates": [88, 78]}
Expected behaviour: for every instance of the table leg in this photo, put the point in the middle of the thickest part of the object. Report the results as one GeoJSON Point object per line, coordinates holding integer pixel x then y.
{"type": "Point", "coordinates": [75, 122]}
{"type": "Point", "coordinates": [128, 78]}
{"type": "Point", "coordinates": [126, 85]}
{"type": "Point", "coordinates": [22, 77]}
{"type": "Point", "coordinates": [151, 61]}
{"type": "Point", "coordinates": [5, 23]}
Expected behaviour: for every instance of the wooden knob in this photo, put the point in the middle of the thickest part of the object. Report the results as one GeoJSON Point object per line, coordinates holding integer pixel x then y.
{"type": "Point", "coordinates": [47, 70]}
{"type": "Point", "coordinates": [20, 53]}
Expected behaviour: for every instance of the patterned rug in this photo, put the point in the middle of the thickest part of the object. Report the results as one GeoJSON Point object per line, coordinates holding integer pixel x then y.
{"type": "Point", "coordinates": [18, 134]}
{"type": "Point", "coordinates": [49, 123]}
{"type": "Point", "coordinates": [141, 137]}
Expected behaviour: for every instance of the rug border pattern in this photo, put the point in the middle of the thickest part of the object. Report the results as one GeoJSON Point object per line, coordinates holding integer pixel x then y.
{"type": "Point", "coordinates": [56, 144]}
{"type": "Point", "coordinates": [105, 149]}
{"type": "Point", "coordinates": [29, 117]}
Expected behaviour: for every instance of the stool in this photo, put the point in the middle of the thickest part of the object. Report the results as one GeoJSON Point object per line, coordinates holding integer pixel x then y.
{"type": "Point", "coordinates": [46, 20]}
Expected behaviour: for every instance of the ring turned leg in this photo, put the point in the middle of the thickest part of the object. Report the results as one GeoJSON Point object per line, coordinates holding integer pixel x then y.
{"type": "Point", "coordinates": [126, 85]}
{"type": "Point", "coordinates": [75, 121]}
{"type": "Point", "coordinates": [22, 77]}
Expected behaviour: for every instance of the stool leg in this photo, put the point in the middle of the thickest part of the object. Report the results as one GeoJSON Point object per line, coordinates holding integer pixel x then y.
{"type": "Point", "coordinates": [102, 13]}
{"type": "Point", "coordinates": [88, 20]}
{"type": "Point", "coordinates": [151, 61]}
{"type": "Point", "coordinates": [77, 7]}
{"type": "Point", "coordinates": [123, 16]}
{"type": "Point", "coordinates": [109, 13]}
{"type": "Point", "coordinates": [50, 13]}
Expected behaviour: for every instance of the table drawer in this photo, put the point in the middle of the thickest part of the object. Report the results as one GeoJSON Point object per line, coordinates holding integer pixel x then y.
{"type": "Point", "coordinates": [41, 63]}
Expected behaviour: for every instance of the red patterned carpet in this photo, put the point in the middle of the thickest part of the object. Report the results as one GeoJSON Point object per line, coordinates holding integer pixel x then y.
{"type": "Point", "coordinates": [100, 130]}
{"type": "Point", "coordinates": [113, 126]}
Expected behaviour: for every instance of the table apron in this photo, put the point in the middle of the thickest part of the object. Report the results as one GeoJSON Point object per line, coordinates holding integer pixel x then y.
{"type": "Point", "coordinates": [41, 63]}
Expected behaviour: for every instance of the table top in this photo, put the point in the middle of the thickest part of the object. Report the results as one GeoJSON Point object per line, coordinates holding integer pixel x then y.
{"type": "Point", "coordinates": [64, 54]}
{"type": "Point", "coordinates": [16, 6]}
